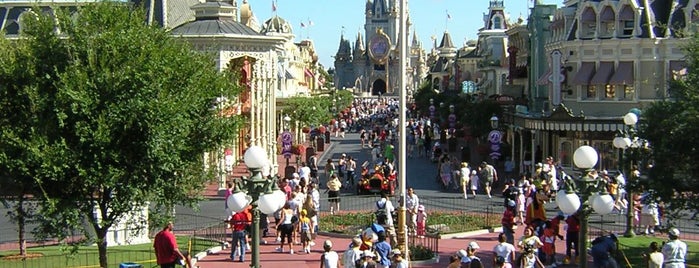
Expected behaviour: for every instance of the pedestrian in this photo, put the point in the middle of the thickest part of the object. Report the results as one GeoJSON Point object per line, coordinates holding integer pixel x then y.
{"type": "Point", "coordinates": [469, 255]}
{"type": "Point", "coordinates": [384, 216]}
{"type": "Point", "coordinates": [504, 250]}
{"type": "Point", "coordinates": [412, 202]}
{"type": "Point", "coordinates": [334, 186]}
{"type": "Point", "coordinates": [421, 221]}
{"type": "Point", "coordinates": [350, 167]}
{"type": "Point", "coordinates": [367, 260]}
{"type": "Point", "coordinates": [329, 258]}
{"type": "Point", "coordinates": [305, 229]}
{"type": "Point", "coordinates": [238, 223]}
{"type": "Point", "coordinates": [454, 261]}
{"type": "Point", "coordinates": [549, 247]}
{"type": "Point", "coordinates": [313, 166]}
{"type": "Point", "coordinates": [465, 178]}
{"type": "Point", "coordinates": [286, 228]}
{"type": "Point", "coordinates": [529, 242]}
{"type": "Point", "coordinates": [167, 253]}
{"type": "Point", "coordinates": [229, 192]}
{"type": "Point", "coordinates": [341, 167]}
{"type": "Point", "coordinates": [305, 175]}
{"type": "Point", "coordinates": [674, 251]}
{"type": "Point", "coordinates": [329, 169]}
{"type": "Point", "coordinates": [397, 259]}
{"type": "Point", "coordinates": [603, 251]}
{"type": "Point", "coordinates": [572, 232]}
{"type": "Point", "coordinates": [654, 257]}
{"type": "Point", "coordinates": [489, 176]}
{"type": "Point", "coordinates": [474, 182]}
{"type": "Point", "coordinates": [508, 222]}
{"type": "Point", "coordinates": [353, 254]}
{"type": "Point", "coordinates": [383, 250]}
{"type": "Point", "coordinates": [521, 200]}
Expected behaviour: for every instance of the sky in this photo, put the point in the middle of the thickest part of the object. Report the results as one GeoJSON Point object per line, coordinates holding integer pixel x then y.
{"type": "Point", "coordinates": [325, 19]}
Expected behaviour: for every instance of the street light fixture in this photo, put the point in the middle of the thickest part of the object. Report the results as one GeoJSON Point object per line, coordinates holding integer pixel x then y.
{"type": "Point", "coordinates": [628, 139]}
{"type": "Point", "coordinates": [584, 195]}
{"type": "Point", "coordinates": [259, 190]}
{"type": "Point", "coordinates": [494, 122]}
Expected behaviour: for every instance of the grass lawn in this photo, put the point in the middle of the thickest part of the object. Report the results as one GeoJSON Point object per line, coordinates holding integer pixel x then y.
{"type": "Point", "coordinates": [634, 247]}
{"type": "Point", "coordinates": [86, 257]}
{"type": "Point", "coordinates": [353, 223]}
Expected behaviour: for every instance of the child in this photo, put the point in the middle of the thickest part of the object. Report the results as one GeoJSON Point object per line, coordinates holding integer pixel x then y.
{"type": "Point", "coordinates": [306, 230]}
{"type": "Point", "coordinates": [421, 221]}
{"type": "Point", "coordinates": [474, 182]}
{"type": "Point", "coordinates": [549, 240]}
{"type": "Point", "coordinates": [521, 202]}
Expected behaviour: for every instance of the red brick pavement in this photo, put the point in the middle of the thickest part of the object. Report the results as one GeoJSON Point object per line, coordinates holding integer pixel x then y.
{"type": "Point", "coordinates": [269, 258]}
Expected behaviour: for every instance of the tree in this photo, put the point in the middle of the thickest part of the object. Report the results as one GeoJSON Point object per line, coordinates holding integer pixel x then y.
{"type": "Point", "coordinates": [114, 114]}
{"type": "Point", "coordinates": [672, 129]}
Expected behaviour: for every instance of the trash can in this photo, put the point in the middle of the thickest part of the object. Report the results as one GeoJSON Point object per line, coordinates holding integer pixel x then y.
{"type": "Point", "coordinates": [130, 265]}
{"type": "Point", "coordinates": [320, 144]}
{"type": "Point", "coordinates": [309, 152]}
{"type": "Point", "coordinates": [289, 172]}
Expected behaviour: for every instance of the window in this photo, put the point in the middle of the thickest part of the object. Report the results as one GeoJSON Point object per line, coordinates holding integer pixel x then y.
{"type": "Point", "coordinates": [591, 92]}
{"type": "Point", "coordinates": [606, 29]}
{"type": "Point", "coordinates": [565, 154]}
{"type": "Point", "coordinates": [628, 28]}
{"type": "Point", "coordinates": [628, 91]}
{"type": "Point", "coordinates": [609, 91]}
{"type": "Point", "coordinates": [497, 23]}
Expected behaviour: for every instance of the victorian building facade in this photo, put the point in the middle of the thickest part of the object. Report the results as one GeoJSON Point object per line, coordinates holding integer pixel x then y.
{"type": "Point", "coordinates": [592, 62]}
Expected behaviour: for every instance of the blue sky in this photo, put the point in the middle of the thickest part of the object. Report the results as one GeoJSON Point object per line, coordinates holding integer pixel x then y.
{"type": "Point", "coordinates": [428, 16]}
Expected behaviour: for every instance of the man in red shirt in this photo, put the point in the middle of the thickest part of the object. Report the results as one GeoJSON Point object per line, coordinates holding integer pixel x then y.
{"type": "Point", "coordinates": [166, 251]}
{"type": "Point", "coordinates": [572, 231]}
{"type": "Point", "coordinates": [239, 223]}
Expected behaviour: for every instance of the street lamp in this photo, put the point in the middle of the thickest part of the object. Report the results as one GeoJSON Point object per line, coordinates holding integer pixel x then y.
{"type": "Point", "coordinates": [584, 195]}
{"type": "Point", "coordinates": [260, 191]}
{"type": "Point", "coordinates": [628, 139]}
{"type": "Point", "coordinates": [494, 122]}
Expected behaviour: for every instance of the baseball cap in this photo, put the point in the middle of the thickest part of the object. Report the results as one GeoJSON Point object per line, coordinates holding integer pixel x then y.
{"type": "Point", "coordinates": [368, 253]}
{"type": "Point", "coordinates": [395, 252]}
{"type": "Point", "coordinates": [674, 232]}
{"type": "Point", "coordinates": [473, 245]}
{"type": "Point", "coordinates": [461, 253]}
{"type": "Point", "coordinates": [328, 243]}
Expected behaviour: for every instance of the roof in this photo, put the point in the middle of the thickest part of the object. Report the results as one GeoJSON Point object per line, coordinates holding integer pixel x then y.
{"type": "Point", "coordinates": [213, 27]}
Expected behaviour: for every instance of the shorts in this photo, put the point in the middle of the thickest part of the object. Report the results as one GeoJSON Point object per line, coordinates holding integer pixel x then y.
{"type": "Point", "coordinates": [306, 236]}
{"type": "Point", "coordinates": [334, 196]}
{"type": "Point", "coordinates": [286, 231]}
{"type": "Point", "coordinates": [488, 181]}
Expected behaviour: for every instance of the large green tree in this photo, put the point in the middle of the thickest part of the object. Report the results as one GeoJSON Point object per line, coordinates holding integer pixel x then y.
{"type": "Point", "coordinates": [101, 111]}
{"type": "Point", "coordinates": [672, 128]}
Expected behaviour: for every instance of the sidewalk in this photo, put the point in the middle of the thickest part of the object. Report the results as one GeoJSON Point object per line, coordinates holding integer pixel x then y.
{"type": "Point", "coordinates": [269, 258]}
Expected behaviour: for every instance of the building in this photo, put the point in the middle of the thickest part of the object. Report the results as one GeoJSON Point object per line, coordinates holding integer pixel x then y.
{"type": "Point", "coordinates": [592, 62]}
{"type": "Point", "coordinates": [492, 49]}
{"type": "Point", "coordinates": [371, 66]}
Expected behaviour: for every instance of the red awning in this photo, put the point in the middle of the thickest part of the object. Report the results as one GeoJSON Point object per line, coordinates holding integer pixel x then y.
{"type": "Point", "coordinates": [623, 74]}
{"type": "Point", "coordinates": [308, 73]}
{"type": "Point", "coordinates": [582, 77]}
{"type": "Point", "coordinates": [604, 72]}
{"type": "Point", "coordinates": [544, 79]}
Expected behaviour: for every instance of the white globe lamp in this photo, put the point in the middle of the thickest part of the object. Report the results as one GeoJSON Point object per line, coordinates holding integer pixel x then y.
{"type": "Point", "coordinates": [630, 119]}
{"type": "Point", "coordinates": [238, 201]}
{"type": "Point", "coordinates": [603, 204]}
{"type": "Point", "coordinates": [585, 157]}
{"type": "Point", "coordinates": [255, 157]}
{"type": "Point", "coordinates": [569, 203]}
{"type": "Point", "coordinates": [270, 203]}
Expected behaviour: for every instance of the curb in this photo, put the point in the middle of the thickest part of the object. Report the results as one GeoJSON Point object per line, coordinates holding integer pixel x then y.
{"type": "Point", "coordinates": [470, 234]}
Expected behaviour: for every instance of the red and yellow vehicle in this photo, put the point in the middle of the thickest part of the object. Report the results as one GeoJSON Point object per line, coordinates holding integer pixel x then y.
{"type": "Point", "coordinates": [376, 182]}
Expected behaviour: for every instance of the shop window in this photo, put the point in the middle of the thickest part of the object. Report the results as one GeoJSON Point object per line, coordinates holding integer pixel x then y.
{"type": "Point", "coordinates": [628, 91]}
{"type": "Point", "coordinates": [591, 92]}
{"type": "Point", "coordinates": [609, 91]}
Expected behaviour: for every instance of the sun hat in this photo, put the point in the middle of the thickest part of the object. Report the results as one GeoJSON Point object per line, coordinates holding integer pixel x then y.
{"type": "Point", "coordinates": [420, 208]}
{"type": "Point", "coordinates": [473, 245]}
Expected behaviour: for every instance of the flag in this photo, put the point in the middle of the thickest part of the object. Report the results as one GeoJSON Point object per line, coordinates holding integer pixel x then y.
{"type": "Point", "coordinates": [310, 23]}
{"type": "Point", "coordinates": [303, 25]}
{"type": "Point", "coordinates": [448, 15]}
{"type": "Point", "coordinates": [274, 6]}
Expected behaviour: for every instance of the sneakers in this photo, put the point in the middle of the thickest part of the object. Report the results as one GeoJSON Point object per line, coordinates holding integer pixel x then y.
{"type": "Point", "coordinates": [307, 250]}
{"type": "Point", "coordinates": [291, 252]}
{"type": "Point", "coordinates": [312, 243]}
{"type": "Point", "coordinates": [279, 250]}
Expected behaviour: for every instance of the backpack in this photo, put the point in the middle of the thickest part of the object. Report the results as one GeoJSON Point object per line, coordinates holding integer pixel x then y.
{"type": "Point", "coordinates": [381, 215]}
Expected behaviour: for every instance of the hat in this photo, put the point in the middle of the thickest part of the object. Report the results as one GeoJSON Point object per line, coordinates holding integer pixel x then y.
{"type": "Point", "coordinates": [344, 154]}
{"type": "Point", "coordinates": [395, 252]}
{"type": "Point", "coordinates": [461, 253]}
{"type": "Point", "coordinates": [328, 244]}
{"type": "Point", "coordinates": [420, 207]}
{"type": "Point", "coordinates": [368, 253]}
{"type": "Point", "coordinates": [473, 245]}
{"type": "Point", "coordinates": [539, 165]}
{"type": "Point", "coordinates": [304, 212]}
{"type": "Point", "coordinates": [295, 175]}
{"type": "Point", "coordinates": [674, 232]}
{"type": "Point", "coordinates": [473, 172]}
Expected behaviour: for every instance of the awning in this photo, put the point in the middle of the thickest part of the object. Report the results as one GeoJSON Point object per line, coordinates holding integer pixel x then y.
{"type": "Point", "coordinates": [588, 15]}
{"type": "Point", "coordinates": [544, 79]}
{"type": "Point", "coordinates": [288, 75]}
{"type": "Point", "coordinates": [308, 73]}
{"type": "Point", "coordinates": [584, 74]}
{"type": "Point", "coordinates": [604, 72]}
{"type": "Point", "coordinates": [623, 74]}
